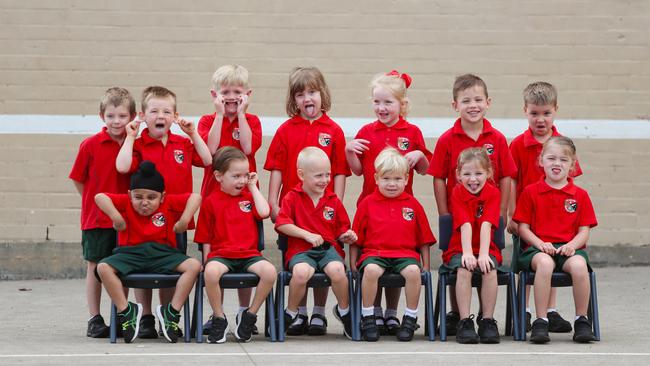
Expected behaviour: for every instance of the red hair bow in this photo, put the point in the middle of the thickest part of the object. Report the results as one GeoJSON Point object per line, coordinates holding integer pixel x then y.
{"type": "Point", "coordinates": [407, 79]}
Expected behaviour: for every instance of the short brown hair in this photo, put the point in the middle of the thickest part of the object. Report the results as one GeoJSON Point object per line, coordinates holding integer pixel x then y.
{"type": "Point", "coordinates": [464, 82]}
{"type": "Point", "coordinates": [225, 156]}
{"type": "Point", "coordinates": [156, 92]}
{"type": "Point", "coordinates": [302, 78]}
{"type": "Point", "coordinates": [117, 96]}
{"type": "Point", "coordinates": [540, 93]}
{"type": "Point", "coordinates": [478, 154]}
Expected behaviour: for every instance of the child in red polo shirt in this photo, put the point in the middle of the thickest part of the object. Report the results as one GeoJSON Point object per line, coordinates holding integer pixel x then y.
{"type": "Point", "coordinates": [314, 219]}
{"type": "Point", "coordinates": [391, 105]}
{"type": "Point", "coordinates": [540, 107]}
{"type": "Point", "coordinates": [228, 230]}
{"type": "Point", "coordinates": [394, 234]}
{"type": "Point", "coordinates": [555, 217]}
{"type": "Point", "coordinates": [147, 220]}
{"type": "Point", "coordinates": [230, 125]}
{"type": "Point", "coordinates": [92, 173]}
{"type": "Point", "coordinates": [308, 101]}
{"type": "Point", "coordinates": [173, 155]}
{"type": "Point", "coordinates": [475, 207]}
{"type": "Point", "coordinates": [471, 129]}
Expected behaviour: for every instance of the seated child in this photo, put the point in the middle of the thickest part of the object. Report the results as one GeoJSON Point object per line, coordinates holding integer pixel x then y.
{"type": "Point", "coordinates": [314, 218]}
{"type": "Point", "coordinates": [475, 207]}
{"type": "Point", "coordinates": [394, 234]}
{"type": "Point", "coordinates": [227, 228]}
{"type": "Point", "coordinates": [147, 243]}
{"type": "Point", "coordinates": [555, 217]}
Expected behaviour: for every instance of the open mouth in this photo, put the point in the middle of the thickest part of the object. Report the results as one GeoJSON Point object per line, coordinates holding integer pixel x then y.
{"type": "Point", "coordinates": [160, 125]}
{"type": "Point", "coordinates": [556, 171]}
{"type": "Point", "coordinates": [310, 109]}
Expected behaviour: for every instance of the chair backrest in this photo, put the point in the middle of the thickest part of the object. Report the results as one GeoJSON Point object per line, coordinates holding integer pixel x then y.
{"type": "Point", "coordinates": [446, 229]}
{"type": "Point", "coordinates": [181, 242]}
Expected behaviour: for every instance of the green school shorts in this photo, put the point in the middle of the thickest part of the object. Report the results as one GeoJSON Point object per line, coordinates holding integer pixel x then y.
{"type": "Point", "coordinates": [237, 265]}
{"type": "Point", "coordinates": [390, 265]}
{"type": "Point", "coordinates": [145, 258]}
{"type": "Point", "coordinates": [98, 244]}
{"type": "Point", "coordinates": [526, 258]}
{"type": "Point", "coordinates": [317, 258]}
{"type": "Point", "coordinates": [456, 262]}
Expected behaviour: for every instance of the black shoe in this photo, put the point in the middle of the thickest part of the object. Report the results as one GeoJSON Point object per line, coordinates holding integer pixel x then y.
{"type": "Point", "coordinates": [452, 319]}
{"type": "Point", "coordinates": [557, 324]}
{"type": "Point", "coordinates": [584, 332]}
{"type": "Point", "coordinates": [129, 320]}
{"type": "Point", "coordinates": [488, 332]}
{"type": "Point", "coordinates": [529, 327]}
{"type": "Point", "coordinates": [369, 329]}
{"type": "Point", "coordinates": [316, 329]}
{"type": "Point", "coordinates": [288, 321]}
{"type": "Point", "coordinates": [97, 328]}
{"type": "Point", "coordinates": [169, 319]}
{"type": "Point", "coordinates": [465, 333]}
{"type": "Point", "coordinates": [244, 328]}
{"type": "Point", "coordinates": [217, 330]}
{"type": "Point", "coordinates": [345, 319]}
{"type": "Point", "coordinates": [148, 327]}
{"type": "Point", "coordinates": [254, 328]}
{"type": "Point", "coordinates": [539, 333]}
{"type": "Point", "coordinates": [295, 328]}
{"type": "Point", "coordinates": [392, 325]}
{"type": "Point", "coordinates": [179, 331]}
{"type": "Point", "coordinates": [407, 328]}
{"type": "Point", "coordinates": [207, 325]}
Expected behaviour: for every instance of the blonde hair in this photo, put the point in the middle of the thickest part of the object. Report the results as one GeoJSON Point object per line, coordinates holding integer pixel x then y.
{"type": "Point", "coordinates": [389, 161]}
{"type": "Point", "coordinates": [563, 142]}
{"type": "Point", "coordinates": [540, 93]}
{"type": "Point", "coordinates": [230, 75]}
{"type": "Point", "coordinates": [396, 86]}
{"type": "Point", "coordinates": [467, 81]}
{"type": "Point", "coordinates": [156, 92]}
{"type": "Point", "coordinates": [308, 154]}
{"type": "Point", "coordinates": [303, 78]}
{"type": "Point", "coordinates": [225, 156]}
{"type": "Point", "coordinates": [477, 154]}
{"type": "Point", "coordinates": [116, 97]}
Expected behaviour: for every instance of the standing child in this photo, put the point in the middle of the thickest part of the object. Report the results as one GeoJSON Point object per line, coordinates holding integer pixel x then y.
{"type": "Point", "coordinates": [394, 234]}
{"type": "Point", "coordinates": [391, 105]}
{"type": "Point", "coordinates": [555, 217]}
{"type": "Point", "coordinates": [471, 129]}
{"type": "Point", "coordinates": [314, 219]}
{"type": "Point", "coordinates": [93, 173]}
{"type": "Point", "coordinates": [540, 107]}
{"type": "Point", "coordinates": [475, 207]}
{"type": "Point", "coordinates": [147, 220]}
{"type": "Point", "coordinates": [308, 100]}
{"type": "Point", "coordinates": [227, 228]}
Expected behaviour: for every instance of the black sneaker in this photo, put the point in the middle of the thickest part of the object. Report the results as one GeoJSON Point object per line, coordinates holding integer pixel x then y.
{"type": "Point", "coordinates": [407, 328]}
{"type": "Point", "coordinates": [488, 332]}
{"type": "Point", "coordinates": [369, 329]}
{"type": "Point", "coordinates": [217, 332]}
{"type": "Point", "coordinates": [557, 324]}
{"type": "Point", "coordinates": [179, 331]}
{"type": "Point", "coordinates": [391, 324]}
{"type": "Point", "coordinates": [539, 333]}
{"type": "Point", "coordinates": [584, 332]}
{"type": "Point", "coordinates": [297, 328]}
{"type": "Point", "coordinates": [169, 322]}
{"type": "Point", "coordinates": [254, 328]}
{"type": "Point", "coordinates": [529, 327]}
{"type": "Point", "coordinates": [207, 325]}
{"type": "Point", "coordinates": [288, 321]}
{"type": "Point", "coordinates": [130, 321]}
{"type": "Point", "coordinates": [148, 327]}
{"type": "Point", "coordinates": [465, 333]}
{"type": "Point", "coordinates": [452, 318]}
{"type": "Point", "coordinates": [244, 328]}
{"type": "Point", "coordinates": [317, 329]}
{"type": "Point", "coordinates": [97, 328]}
{"type": "Point", "coordinates": [345, 319]}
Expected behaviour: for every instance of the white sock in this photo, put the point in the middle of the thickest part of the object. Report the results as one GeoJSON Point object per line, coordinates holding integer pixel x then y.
{"type": "Point", "coordinates": [551, 309]}
{"type": "Point", "coordinates": [302, 310]}
{"type": "Point", "coordinates": [578, 316]}
{"type": "Point", "coordinates": [293, 314]}
{"type": "Point", "coordinates": [367, 311]}
{"type": "Point", "coordinates": [411, 312]}
{"type": "Point", "coordinates": [528, 310]}
{"type": "Point", "coordinates": [343, 312]}
{"type": "Point", "coordinates": [544, 319]}
{"type": "Point", "coordinates": [241, 310]}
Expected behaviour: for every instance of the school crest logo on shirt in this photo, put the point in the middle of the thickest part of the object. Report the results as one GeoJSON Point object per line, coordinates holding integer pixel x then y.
{"type": "Point", "coordinates": [245, 206]}
{"type": "Point", "coordinates": [328, 213]}
{"type": "Point", "coordinates": [158, 219]}
{"type": "Point", "coordinates": [489, 148]}
{"type": "Point", "coordinates": [408, 214]}
{"type": "Point", "coordinates": [403, 143]}
{"type": "Point", "coordinates": [235, 133]}
{"type": "Point", "coordinates": [179, 156]}
{"type": "Point", "coordinates": [570, 205]}
{"type": "Point", "coordinates": [324, 139]}
{"type": "Point", "coordinates": [479, 211]}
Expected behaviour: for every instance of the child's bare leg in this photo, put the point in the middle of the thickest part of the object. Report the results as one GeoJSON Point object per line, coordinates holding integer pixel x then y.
{"type": "Point", "coordinates": [463, 291]}
{"type": "Point", "coordinates": [413, 285]}
{"type": "Point", "coordinates": [189, 270]}
{"type": "Point", "coordinates": [552, 300]}
{"type": "Point", "coordinates": [336, 272]}
{"type": "Point", "coordinates": [377, 302]}
{"type": "Point", "coordinates": [576, 266]}
{"type": "Point", "coordinates": [165, 295]}
{"type": "Point", "coordinates": [300, 275]}
{"type": "Point", "coordinates": [267, 274]}
{"type": "Point", "coordinates": [392, 297]}
{"type": "Point", "coordinates": [143, 296]}
{"type": "Point", "coordinates": [489, 290]}
{"type": "Point", "coordinates": [543, 265]}
{"type": "Point", "coordinates": [369, 284]}
{"type": "Point", "coordinates": [214, 270]}
{"type": "Point", "coordinates": [320, 296]}
{"type": "Point", "coordinates": [453, 302]}
{"type": "Point", "coordinates": [93, 289]}
{"type": "Point", "coordinates": [113, 285]}
{"type": "Point", "coordinates": [528, 288]}
{"type": "Point", "coordinates": [244, 295]}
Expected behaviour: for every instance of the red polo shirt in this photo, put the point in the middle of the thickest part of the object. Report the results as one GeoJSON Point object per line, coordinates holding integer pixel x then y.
{"type": "Point", "coordinates": [476, 210]}
{"type": "Point", "coordinates": [297, 133]}
{"type": "Point", "coordinates": [229, 224]}
{"type": "Point", "coordinates": [455, 140]}
{"type": "Point", "coordinates": [229, 137]}
{"type": "Point", "coordinates": [327, 219]}
{"type": "Point", "coordinates": [95, 168]}
{"type": "Point", "coordinates": [525, 150]}
{"type": "Point", "coordinates": [391, 227]}
{"type": "Point", "coordinates": [403, 136]}
{"type": "Point", "coordinates": [554, 215]}
{"type": "Point", "coordinates": [158, 227]}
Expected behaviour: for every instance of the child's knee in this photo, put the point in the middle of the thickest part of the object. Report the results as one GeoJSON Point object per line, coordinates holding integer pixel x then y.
{"type": "Point", "coordinates": [411, 273]}
{"type": "Point", "coordinates": [543, 262]}
{"type": "Point", "coordinates": [104, 269]}
{"type": "Point", "coordinates": [192, 265]}
{"type": "Point", "coordinates": [372, 271]}
{"type": "Point", "coordinates": [301, 273]}
{"type": "Point", "coordinates": [335, 271]}
{"type": "Point", "coordinates": [268, 272]}
{"type": "Point", "coordinates": [463, 274]}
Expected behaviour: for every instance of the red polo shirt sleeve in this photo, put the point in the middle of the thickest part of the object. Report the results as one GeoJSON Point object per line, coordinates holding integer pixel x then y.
{"type": "Point", "coordinates": [286, 214]}
{"type": "Point", "coordinates": [420, 144]}
{"type": "Point", "coordinates": [360, 222]}
{"type": "Point", "coordinates": [342, 219]}
{"type": "Point", "coordinates": [256, 129]}
{"type": "Point", "coordinates": [204, 226]}
{"type": "Point", "coordinates": [587, 213]}
{"type": "Point", "coordinates": [492, 206]}
{"type": "Point", "coordinates": [81, 164]}
{"type": "Point", "coordinates": [339, 162]}
{"type": "Point", "coordinates": [136, 155]}
{"type": "Point", "coordinates": [508, 167]}
{"type": "Point", "coordinates": [205, 123]}
{"type": "Point", "coordinates": [276, 157]}
{"type": "Point", "coordinates": [120, 201]}
{"type": "Point", "coordinates": [524, 210]}
{"type": "Point", "coordinates": [439, 164]}
{"type": "Point", "coordinates": [459, 208]}
{"type": "Point", "coordinates": [424, 235]}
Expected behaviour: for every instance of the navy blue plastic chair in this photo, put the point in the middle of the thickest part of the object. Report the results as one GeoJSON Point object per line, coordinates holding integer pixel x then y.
{"type": "Point", "coordinates": [504, 277]}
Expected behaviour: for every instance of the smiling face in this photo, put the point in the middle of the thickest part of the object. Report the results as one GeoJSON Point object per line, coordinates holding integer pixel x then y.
{"type": "Point", "coordinates": [309, 103]}
{"type": "Point", "coordinates": [234, 180]}
{"type": "Point", "coordinates": [116, 118]}
{"type": "Point", "coordinates": [232, 96]}
{"type": "Point", "coordinates": [472, 104]}
{"type": "Point", "coordinates": [145, 201]}
{"type": "Point", "coordinates": [472, 176]}
{"type": "Point", "coordinates": [540, 120]}
{"type": "Point", "coordinates": [315, 176]}
{"type": "Point", "coordinates": [391, 184]}
{"type": "Point", "coordinates": [557, 164]}
{"type": "Point", "coordinates": [159, 116]}
{"type": "Point", "coordinates": [386, 106]}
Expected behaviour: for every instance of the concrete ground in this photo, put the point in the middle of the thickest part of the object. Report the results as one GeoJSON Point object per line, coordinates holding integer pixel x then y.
{"type": "Point", "coordinates": [44, 323]}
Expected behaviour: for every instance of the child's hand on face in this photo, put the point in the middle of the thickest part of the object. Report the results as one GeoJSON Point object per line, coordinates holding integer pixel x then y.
{"type": "Point", "coordinates": [119, 224]}
{"type": "Point", "coordinates": [357, 146]}
{"type": "Point", "coordinates": [547, 248]}
{"type": "Point", "coordinates": [314, 239]}
{"type": "Point", "coordinates": [565, 250]}
{"type": "Point", "coordinates": [180, 226]}
{"type": "Point", "coordinates": [485, 263]}
{"type": "Point", "coordinates": [133, 127]}
{"type": "Point", "coordinates": [413, 157]}
{"type": "Point", "coordinates": [348, 237]}
{"type": "Point", "coordinates": [219, 104]}
{"type": "Point", "coordinates": [468, 261]}
{"type": "Point", "coordinates": [252, 179]}
{"type": "Point", "coordinates": [187, 126]}
{"type": "Point", "coordinates": [242, 104]}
